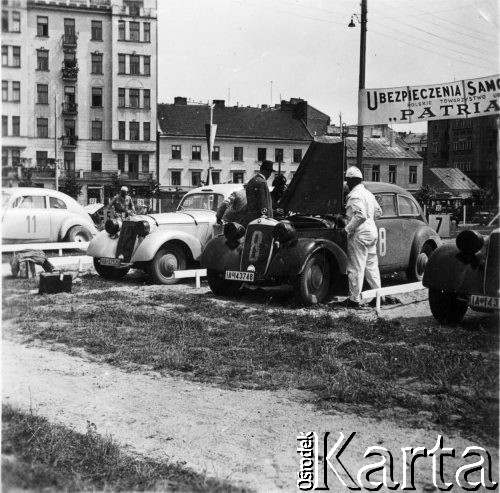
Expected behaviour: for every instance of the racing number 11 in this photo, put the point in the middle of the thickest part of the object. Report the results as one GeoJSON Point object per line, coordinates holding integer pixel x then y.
{"type": "Point", "coordinates": [29, 220]}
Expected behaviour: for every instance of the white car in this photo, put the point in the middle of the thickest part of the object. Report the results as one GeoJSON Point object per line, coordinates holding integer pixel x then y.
{"type": "Point", "coordinates": [160, 243]}
{"type": "Point", "coordinates": [36, 215]}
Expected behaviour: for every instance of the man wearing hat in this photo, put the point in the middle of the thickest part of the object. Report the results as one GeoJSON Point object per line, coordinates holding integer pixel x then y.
{"type": "Point", "coordinates": [362, 210]}
{"type": "Point", "coordinates": [259, 201]}
{"type": "Point", "coordinates": [123, 204]}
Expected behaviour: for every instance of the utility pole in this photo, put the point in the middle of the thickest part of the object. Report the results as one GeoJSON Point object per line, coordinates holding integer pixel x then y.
{"type": "Point", "coordinates": [55, 142]}
{"type": "Point", "coordinates": [362, 64]}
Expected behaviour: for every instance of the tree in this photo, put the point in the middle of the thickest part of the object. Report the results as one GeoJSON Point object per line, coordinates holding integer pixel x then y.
{"type": "Point", "coordinates": [26, 180]}
{"type": "Point", "coordinates": [70, 186]}
{"type": "Point", "coordinates": [425, 195]}
{"type": "Point", "coordinates": [153, 189]}
{"type": "Point", "coordinates": [116, 183]}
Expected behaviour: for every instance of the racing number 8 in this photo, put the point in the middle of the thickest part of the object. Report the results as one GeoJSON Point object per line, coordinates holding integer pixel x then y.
{"type": "Point", "coordinates": [253, 256]}
{"type": "Point", "coordinates": [382, 242]}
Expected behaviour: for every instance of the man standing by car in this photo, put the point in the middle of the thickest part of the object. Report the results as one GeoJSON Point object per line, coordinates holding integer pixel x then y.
{"type": "Point", "coordinates": [123, 204]}
{"type": "Point", "coordinates": [362, 210]}
{"type": "Point", "coordinates": [259, 201]}
{"type": "Point", "coordinates": [234, 208]}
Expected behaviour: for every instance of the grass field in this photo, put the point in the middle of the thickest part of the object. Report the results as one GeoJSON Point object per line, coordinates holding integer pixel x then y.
{"type": "Point", "coordinates": [431, 377]}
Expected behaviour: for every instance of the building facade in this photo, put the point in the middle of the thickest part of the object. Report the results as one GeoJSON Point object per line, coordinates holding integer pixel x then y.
{"type": "Point", "coordinates": [79, 93]}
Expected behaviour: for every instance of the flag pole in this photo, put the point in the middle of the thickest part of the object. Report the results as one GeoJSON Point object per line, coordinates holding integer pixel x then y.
{"type": "Point", "coordinates": [209, 176]}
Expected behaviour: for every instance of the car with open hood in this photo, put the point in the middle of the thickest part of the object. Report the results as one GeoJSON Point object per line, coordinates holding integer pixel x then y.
{"type": "Point", "coordinates": [160, 243]}
{"type": "Point", "coordinates": [308, 248]}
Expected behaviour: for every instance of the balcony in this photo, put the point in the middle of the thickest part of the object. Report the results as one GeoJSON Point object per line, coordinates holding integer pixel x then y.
{"type": "Point", "coordinates": [69, 108]}
{"type": "Point", "coordinates": [69, 140]}
{"type": "Point", "coordinates": [69, 41]}
{"type": "Point", "coordinates": [69, 71]}
{"type": "Point", "coordinates": [130, 175]}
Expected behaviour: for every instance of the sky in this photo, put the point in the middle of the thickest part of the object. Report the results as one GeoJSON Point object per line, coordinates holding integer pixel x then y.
{"type": "Point", "coordinates": [254, 52]}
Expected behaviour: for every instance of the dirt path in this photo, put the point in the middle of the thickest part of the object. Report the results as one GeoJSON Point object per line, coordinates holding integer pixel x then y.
{"type": "Point", "coordinates": [248, 437]}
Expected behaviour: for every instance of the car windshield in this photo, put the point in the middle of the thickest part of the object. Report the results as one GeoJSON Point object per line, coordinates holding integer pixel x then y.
{"type": "Point", "coordinates": [5, 198]}
{"type": "Point", "coordinates": [204, 201]}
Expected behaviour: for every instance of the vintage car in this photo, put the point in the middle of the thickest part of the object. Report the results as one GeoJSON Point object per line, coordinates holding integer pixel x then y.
{"type": "Point", "coordinates": [35, 215]}
{"type": "Point", "coordinates": [160, 243]}
{"type": "Point", "coordinates": [464, 275]}
{"type": "Point", "coordinates": [308, 248]}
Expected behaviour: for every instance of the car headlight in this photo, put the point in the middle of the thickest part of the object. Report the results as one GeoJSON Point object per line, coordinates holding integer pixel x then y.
{"type": "Point", "coordinates": [284, 232]}
{"type": "Point", "coordinates": [469, 242]}
{"type": "Point", "coordinates": [112, 226]}
{"type": "Point", "coordinates": [143, 228]}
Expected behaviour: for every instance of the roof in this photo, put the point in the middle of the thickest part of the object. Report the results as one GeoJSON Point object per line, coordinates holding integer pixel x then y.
{"type": "Point", "coordinates": [451, 179]}
{"type": "Point", "coordinates": [232, 122]}
{"type": "Point", "coordinates": [415, 139]}
{"type": "Point", "coordinates": [375, 147]}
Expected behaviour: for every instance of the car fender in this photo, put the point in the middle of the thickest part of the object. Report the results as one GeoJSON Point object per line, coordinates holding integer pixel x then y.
{"type": "Point", "coordinates": [148, 247]}
{"type": "Point", "coordinates": [421, 236]}
{"type": "Point", "coordinates": [102, 245]}
{"type": "Point", "coordinates": [76, 220]}
{"type": "Point", "coordinates": [217, 256]}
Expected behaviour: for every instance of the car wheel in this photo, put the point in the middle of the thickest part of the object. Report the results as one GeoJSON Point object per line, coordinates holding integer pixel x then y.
{"type": "Point", "coordinates": [416, 269]}
{"type": "Point", "coordinates": [107, 272]}
{"type": "Point", "coordinates": [313, 282]}
{"type": "Point", "coordinates": [78, 234]}
{"type": "Point", "coordinates": [167, 260]}
{"type": "Point", "coordinates": [220, 286]}
{"type": "Point", "coordinates": [446, 308]}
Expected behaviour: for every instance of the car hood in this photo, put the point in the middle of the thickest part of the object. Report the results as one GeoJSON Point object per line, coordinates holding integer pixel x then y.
{"type": "Point", "coordinates": [183, 217]}
{"type": "Point", "coordinates": [317, 186]}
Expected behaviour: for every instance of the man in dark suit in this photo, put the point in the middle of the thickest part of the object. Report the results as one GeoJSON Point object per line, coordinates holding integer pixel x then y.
{"type": "Point", "coordinates": [259, 201]}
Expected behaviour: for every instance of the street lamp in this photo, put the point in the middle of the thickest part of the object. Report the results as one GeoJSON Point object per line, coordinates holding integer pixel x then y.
{"type": "Point", "coordinates": [362, 63]}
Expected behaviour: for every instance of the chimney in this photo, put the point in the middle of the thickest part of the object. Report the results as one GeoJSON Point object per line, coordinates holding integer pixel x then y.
{"type": "Point", "coordinates": [180, 101]}
{"type": "Point", "coordinates": [392, 138]}
{"type": "Point", "coordinates": [300, 110]}
{"type": "Point", "coordinates": [219, 103]}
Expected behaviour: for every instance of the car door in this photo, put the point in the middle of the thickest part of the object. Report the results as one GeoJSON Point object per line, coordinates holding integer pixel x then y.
{"type": "Point", "coordinates": [409, 216]}
{"type": "Point", "coordinates": [28, 220]}
{"type": "Point", "coordinates": [58, 211]}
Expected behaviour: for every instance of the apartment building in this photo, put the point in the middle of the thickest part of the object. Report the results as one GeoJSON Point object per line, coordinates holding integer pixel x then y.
{"type": "Point", "coordinates": [79, 89]}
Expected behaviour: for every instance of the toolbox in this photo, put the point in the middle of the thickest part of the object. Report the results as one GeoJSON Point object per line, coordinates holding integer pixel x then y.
{"type": "Point", "coordinates": [55, 282]}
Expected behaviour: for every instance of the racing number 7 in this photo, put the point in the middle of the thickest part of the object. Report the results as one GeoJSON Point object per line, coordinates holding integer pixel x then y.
{"type": "Point", "coordinates": [439, 220]}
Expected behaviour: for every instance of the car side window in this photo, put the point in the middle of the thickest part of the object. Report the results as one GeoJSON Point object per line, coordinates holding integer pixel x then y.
{"type": "Point", "coordinates": [387, 203]}
{"type": "Point", "coordinates": [32, 202]}
{"type": "Point", "coordinates": [56, 203]}
{"type": "Point", "coordinates": [407, 207]}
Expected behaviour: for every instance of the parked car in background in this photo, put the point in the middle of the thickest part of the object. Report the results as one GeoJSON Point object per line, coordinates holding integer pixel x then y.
{"type": "Point", "coordinates": [464, 275]}
{"type": "Point", "coordinates": [35, 215]}
{"type": "Point", "coordinates": [308, 249]}
{"type": "Point", "coordinates": [160, 243]}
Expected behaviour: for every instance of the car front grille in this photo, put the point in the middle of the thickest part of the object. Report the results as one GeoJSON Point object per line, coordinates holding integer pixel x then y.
{"type": "Point", "coordinates": [127, 239]}
{"type": "Point", "coordinates": [257, 249]}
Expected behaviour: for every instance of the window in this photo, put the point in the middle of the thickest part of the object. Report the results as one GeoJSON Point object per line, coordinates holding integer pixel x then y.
{"type": "Point", "coordinates": [278, 155]}
{"type": "Point", "coordinates": [42, 128]}
{"type": "Point", "coordinates": [121, 162]}
{"type": "Point", "coordinates": [413, 174]}
{"type": "Point", "coordinates": [5, 90]}
{"type": "Point", "coordinates": [69, 94]}
{"type": "Point", "coordinates": [96, 130]}
{"type": "Point", "coordinates": [42, 26]}
{"type": "Point", "coordinates": [147, 32]}
{"type": "Point", "coordinates": [97, 96]}
{"type": "Point", "coordinates": [133, 33]}
{"type": "Point", "coordinates": [16, 157]}
{"type": "Point", "coordinates": [134, 65]}
{"type": "Point", "coordinates": [261, 154]}
{"type": "Point", "coordinates": [216, 153]}
{"type": "Point", "coordinates": [176, 152]}
{"type": "Point", "coordinates": [42, 93]}
{"type": "Point", "coordinates": [121, 97]}
{"type": "Point", "coordinates": [16, 56]}
{"type": "Point", "coordinates": [147, 98]}
{"type": "Point", "coordinates": [69, 161]}
{"type": "Point", "coordinates": [41, 158]}
{"type": "Point", "coordinates": [238, 176]}
{"type": "Point", "coordinates": [32, 202]}
{"type": "Point", "coordinates": [121, 130]}
{"type": "Point", "coordinates": [215, 177]}
{"type": "Point", "coordinates": [121, 64]}
{"type": "Point", "coordinates": [376, 172]}
{"type": "Point", "coordinates": [121, 30]}
{"type": "Point", "coordinates": [392, 174]}
{"type": "Point", "coordinates": [5, 21]}
{"type": "Point", "coordinates": [175, 178]}
{"type": "Point", "coordinates": [16, 22]}
{"type": "Point", "coordinates": [42, 59]}
{"type": "Point", "coordinates": [55, 203]}
{"type": "Point", "coordinates": [16, 91]}
{"type": "Point", "coordinates": [96, 161]}
{"type": "Point", "coordinates": [196, 153]}
{"type": "Point", "coordinates": [96, 63]}
{"type": "Point", "coordinates": [407, 207]}
{"type": "Point", "coordinates": [238, 155]}
{"type": "Point", "coordinates": [147, 65]}
{"type": "Point", "coordinates": [69, 129]}
{"type": "Point", "coordinates": [133, 165]}
{"type": "Point", "coordinates": [297, 155]}
{"type": "Point", "coordinates": [5, 125]}
{"type": "Point", "coordinates": [69, 29]}
{"type": "Point", "coordinates": [15, 126]}
{"type": "Point", "coordinates": [134, 8]}
{"type": "Point", "coordinates": [96, 30]}
{"type": "Point", "coordinates": [195, 178]}
{"type": "Point", "coordinates": [387, 204]}
{"type": "Point", "coordinates": [133, 130]}
{"type": "Point", "coordinates": [5, 157]}
{"type": "Point", "coordinates": [5, 56]}
{"type": "Point", "coordinates": [145, 163]}
{"type": "Point", "coordinates": [133, 98]}
{"type": "Point", "coordinates": [146, 131]}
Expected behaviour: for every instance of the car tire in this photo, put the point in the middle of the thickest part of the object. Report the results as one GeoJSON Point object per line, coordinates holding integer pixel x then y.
{"type": "Point", "coordinates": [78, 234]}
{"type": "Point", "coordinates": [167, 260]}
{"type": "Point", "coordinates": [313, 283]}
{"type": "Point", "coordinates": [111, 273]}
{"type": "Point", "coordinates": [446, 308]}
{"type": "Point", "coordinates": [416, 269]}
{"type": "Point", "coordinates": [220, 286]}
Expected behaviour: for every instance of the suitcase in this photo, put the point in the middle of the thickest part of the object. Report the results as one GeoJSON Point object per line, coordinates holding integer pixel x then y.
{"type": "Point", "coordinates": [51, 283]}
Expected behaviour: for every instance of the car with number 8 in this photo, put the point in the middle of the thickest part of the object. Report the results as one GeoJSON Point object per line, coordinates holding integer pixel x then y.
{"type": "Point", "coordinates": [308, 248]}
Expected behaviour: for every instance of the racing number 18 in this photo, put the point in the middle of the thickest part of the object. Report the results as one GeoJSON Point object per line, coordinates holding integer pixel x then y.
{"type": "Point", "coordinates": [382, 242]}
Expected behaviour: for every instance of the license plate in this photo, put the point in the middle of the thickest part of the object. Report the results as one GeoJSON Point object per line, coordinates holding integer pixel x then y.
{"type": "Point", "coordinates": [110, 262]}
{"type": "Point", "coordinates": [477, 301]}
{"type": "Point", "coordinates": [235, 275]}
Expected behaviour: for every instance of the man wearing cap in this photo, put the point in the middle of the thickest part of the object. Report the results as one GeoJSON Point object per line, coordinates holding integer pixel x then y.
{"type": "Point", "coordinates": [123, 204]}
{"type": "Point", "coordinates": [259, 201]}
{"type": "Point", "coordinates": [362, 210]}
